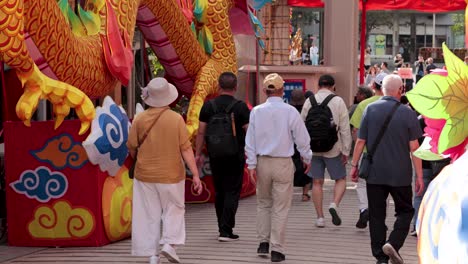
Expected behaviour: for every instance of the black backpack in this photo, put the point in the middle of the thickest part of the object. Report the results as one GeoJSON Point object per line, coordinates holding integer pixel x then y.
{"type": "Point", "coordinates": [320, 125]}
{"type": "Point", "coordinates": [220, 135]}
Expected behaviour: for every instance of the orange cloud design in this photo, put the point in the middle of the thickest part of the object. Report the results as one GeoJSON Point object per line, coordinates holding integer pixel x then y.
{"type": "Point", "coordinates": [61, 221]}
{"type": "Point", "coordinates": [117, 205]}
{"type": "Point", "coordinates": [61, 152]}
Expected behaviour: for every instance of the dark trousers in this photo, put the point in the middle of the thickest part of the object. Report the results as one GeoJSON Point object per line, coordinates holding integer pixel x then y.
{"type": "Point", "coordinates": [227, 177]}
{"type": "Point", "coordinates": [377, 196]}
{"type": "Point", "coordinates": [418, 77]}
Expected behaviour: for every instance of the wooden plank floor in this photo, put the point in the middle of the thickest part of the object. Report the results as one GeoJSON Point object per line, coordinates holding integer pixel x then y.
{"type": "Point", "coordinates": [305, 242]}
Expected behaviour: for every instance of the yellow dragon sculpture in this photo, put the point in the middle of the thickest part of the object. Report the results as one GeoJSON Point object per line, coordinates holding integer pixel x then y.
{"type": "Point", "coordinates": [79, 64]}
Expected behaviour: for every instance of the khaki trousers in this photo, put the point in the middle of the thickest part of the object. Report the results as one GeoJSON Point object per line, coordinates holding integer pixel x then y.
{"type": "Point", "coordinates": [274, 196]}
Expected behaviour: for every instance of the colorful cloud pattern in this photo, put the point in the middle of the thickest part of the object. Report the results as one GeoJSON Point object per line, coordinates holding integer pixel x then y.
{"type": "Point", "coordinates": [61, 221]}
{"type": "Point", "coordinates": [41, 184]}
{"type": "Point", "coordinates": [106, 144]}
{"type": "Point", "coordinates": [62, 152]}
{"type": "Point", "coordinates": [117, 205]}
{"type": "Point", "coordinates": [443, 217]}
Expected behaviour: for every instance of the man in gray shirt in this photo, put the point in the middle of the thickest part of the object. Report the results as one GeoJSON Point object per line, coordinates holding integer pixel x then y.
{"type": "Point", "coordinates": [390, 171]}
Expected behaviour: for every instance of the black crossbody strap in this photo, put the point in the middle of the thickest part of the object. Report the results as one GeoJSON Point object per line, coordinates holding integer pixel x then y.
{"type": "Point", "coordinates": [383, 129]}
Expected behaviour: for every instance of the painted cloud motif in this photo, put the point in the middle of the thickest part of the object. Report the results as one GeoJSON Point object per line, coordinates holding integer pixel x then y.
{"type": "Point", "coordinates": [41, 184]}
{"type": "Point", "coordinates": [62, 152]}
{"type": "Point", "coordinates": [61, 220]}
{"type": "Point", "coordinates": [106, 144]}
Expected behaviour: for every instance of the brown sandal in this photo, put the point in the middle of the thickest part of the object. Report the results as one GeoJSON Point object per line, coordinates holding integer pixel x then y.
{"type": "Point", "coordinates": [305, 197]}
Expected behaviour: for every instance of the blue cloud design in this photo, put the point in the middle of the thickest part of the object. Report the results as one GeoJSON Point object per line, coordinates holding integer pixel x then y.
{"type": "Point", "coordinates": [41, 184]}
{"type": "Point", "coordinates": [114, 135]}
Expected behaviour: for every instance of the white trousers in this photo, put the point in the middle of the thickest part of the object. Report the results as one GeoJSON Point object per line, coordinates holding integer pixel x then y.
{"type": "Point", "coordinates": [362, 194]}
{"type": "Point", "coordinates": [153, 203]}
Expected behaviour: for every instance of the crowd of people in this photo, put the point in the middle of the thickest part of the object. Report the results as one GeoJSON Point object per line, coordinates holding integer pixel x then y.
{"type": "Point", "coordinates": [421, 67]}
{"type": "Point", "coordinates": [283, 145]}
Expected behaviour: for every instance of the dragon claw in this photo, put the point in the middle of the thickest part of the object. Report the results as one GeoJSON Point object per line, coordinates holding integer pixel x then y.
{"type": "Point", "coordinates": [58, 120]}
{"type": "Point", "coordinates": [27, 104]}
{"type": "Point", "coordinates": [27, 122]}
{"type": "Point", "coordinates": [63, 96]}
{"type": "Point", "coordinates": [84, 127]}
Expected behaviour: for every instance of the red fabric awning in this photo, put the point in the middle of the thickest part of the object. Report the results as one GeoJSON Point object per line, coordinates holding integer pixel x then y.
{"type": "Point", "coordinates": [429, 6]}
{"type": "Point", "coordinates": [305, 3]}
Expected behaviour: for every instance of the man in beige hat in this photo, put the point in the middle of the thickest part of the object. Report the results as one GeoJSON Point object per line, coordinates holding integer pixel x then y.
{"type": "Point", "coordinates": [160, 139]}
{"type": "Point", "coordinates": [273, 130]}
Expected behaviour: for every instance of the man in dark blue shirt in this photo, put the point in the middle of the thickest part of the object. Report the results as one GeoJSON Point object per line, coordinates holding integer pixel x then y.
{"type": "Point", "coordinates": [390, 171]}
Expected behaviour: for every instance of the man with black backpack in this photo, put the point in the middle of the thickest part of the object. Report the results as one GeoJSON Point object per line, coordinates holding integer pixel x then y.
{"type": "Point", "coordinates": [223, 122]}
{"type": "Point", "coordinates": [327, 121]}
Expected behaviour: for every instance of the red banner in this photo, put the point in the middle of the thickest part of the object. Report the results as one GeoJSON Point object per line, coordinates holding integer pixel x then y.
{"type": "Point", "coordinates": [305, 3]}
{"type": "Point", "coordinates": [429, 6]}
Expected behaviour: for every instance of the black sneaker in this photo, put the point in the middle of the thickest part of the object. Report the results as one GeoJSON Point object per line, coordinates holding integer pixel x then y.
{"type": "Point", "coordinates": [336, 220]}
{"type": "Point", "coordinates": [228, 238]}
{"type": "Point", "coordinates": [277, 257]}
{"type": "Point", "coordinates": [263, 249]}
{"type": "Point", "coordinates": [363, 219]}
{"type": "Point", "coordinates": [382, 262]}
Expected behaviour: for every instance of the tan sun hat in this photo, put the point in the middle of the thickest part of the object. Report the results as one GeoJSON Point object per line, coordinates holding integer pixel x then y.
{"type": "Point", "coordinates": [275, 80]}
{"type": "Point", "coordinates": [159, 93]}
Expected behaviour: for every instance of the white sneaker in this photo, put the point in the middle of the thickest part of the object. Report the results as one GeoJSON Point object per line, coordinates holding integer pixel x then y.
{"type": "Point", "coordinates": [320, 222]}
{"type": "Point", "coordinates": [390, 251]}
{"type": "Point", "coordinates": [154, 260]}
{"type": "Point", "coordinates": [169, 252]}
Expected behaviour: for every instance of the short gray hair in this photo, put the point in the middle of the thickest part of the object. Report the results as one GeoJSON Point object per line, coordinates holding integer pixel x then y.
{"type": "Point", "coordinates": [391, 84]}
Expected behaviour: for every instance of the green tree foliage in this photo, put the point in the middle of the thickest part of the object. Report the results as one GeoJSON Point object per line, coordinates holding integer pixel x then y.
{"type": "Point", "coordinates": [376, 19]}
{"type": "Point", "coordinates": [458, 27]}
{"type": "Point", "coordinates": [155, 65]}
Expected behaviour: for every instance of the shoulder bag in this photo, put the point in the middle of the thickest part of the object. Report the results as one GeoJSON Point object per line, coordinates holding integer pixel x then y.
{"type": "Point", "coordinates": [131, 171]}
{"type": "Point", "coordinates": [366, 162]}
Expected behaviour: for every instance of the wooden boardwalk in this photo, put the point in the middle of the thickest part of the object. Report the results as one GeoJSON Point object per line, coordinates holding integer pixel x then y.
{"type": "Point", "coordinates": [305, 243]}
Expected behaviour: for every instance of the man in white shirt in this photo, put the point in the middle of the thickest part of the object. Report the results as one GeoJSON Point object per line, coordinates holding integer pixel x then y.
{"type": "Point", "coordinates": [273, 130]}
{"type": "Point", "coordinates": [335, 159]}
